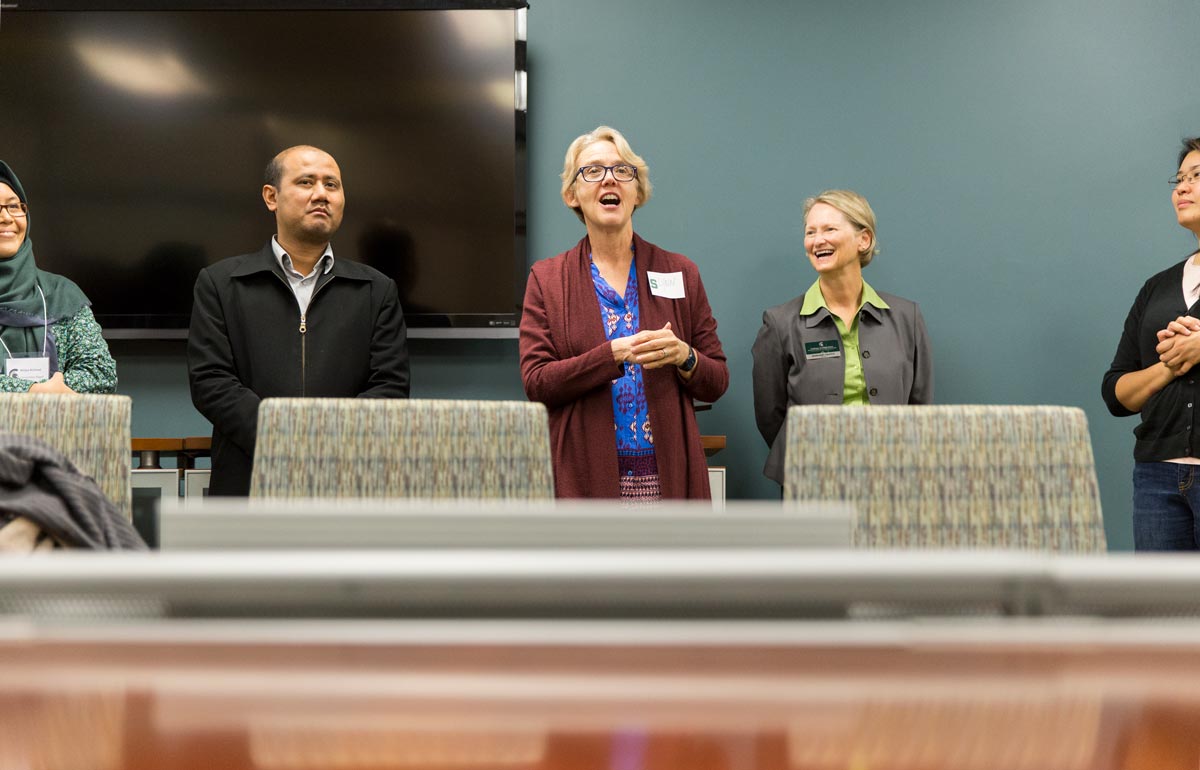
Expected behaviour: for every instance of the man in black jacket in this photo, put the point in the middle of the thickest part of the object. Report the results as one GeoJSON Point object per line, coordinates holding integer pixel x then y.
{"type": "Point", "coordinates": [290, 320]}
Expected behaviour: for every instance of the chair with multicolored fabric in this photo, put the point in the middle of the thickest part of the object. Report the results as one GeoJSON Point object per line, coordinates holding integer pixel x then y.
{"type": "Point", "coordinates": [403, 448]}
{"type": "Point", "coordinates": [951, 476]}
{"type": "Point", "coordinates": [91, 431]}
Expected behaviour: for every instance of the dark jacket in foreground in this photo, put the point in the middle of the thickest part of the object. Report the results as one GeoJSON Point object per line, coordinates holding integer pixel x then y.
{"type": "Point", "coordinates": [43, 495]}
{"type": "Point", "coordinates": [1168, 417]}
{"type": "Point", "coordinates": [246, 344]}
{"type": "Point", "coordinates": [897, 364]}
{"type": "Point", "coordinates": [567, 364]}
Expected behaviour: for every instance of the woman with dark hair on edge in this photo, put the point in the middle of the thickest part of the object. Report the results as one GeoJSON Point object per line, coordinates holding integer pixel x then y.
{"type": "Point", "coordinates": [49, 339]}
{"type": "Point", "coordinates": [1153, 374]}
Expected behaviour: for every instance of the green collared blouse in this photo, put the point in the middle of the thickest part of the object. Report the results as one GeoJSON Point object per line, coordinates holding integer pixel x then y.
{"type": "Point", "coordinates": [854, 393]}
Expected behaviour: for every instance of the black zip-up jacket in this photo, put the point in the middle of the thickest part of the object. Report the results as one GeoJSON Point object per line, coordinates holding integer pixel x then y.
{"type": "Point", "coordinates": [1168, 424]}
{"type": "Point", "coordinates": [248, 341]}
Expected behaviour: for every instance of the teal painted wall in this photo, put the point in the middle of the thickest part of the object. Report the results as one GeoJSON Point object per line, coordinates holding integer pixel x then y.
{"type": "Point", "coordinates": [1016, 155]}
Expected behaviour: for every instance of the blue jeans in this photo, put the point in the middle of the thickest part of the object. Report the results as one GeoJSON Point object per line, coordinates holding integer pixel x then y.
{"type": "Point", "coordinates": [1166, 507]}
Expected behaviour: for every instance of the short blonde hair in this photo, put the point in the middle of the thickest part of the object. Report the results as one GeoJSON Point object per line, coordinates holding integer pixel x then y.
{"type": "Point", "coordinates": [605, 134]}
{"type": "Point", "coordinates": [856, 210]}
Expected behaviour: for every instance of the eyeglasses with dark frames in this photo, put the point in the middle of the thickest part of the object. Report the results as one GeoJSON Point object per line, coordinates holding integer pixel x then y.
{"type": "Point", "coordinates": [622, 172]}
{"type": "Point", "coordinates": [15, 210]}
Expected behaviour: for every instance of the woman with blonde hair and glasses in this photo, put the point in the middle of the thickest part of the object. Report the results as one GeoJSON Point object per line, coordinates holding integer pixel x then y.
{"type": "Point", "coordinates": [841, 342]}
{"type": "Point", "coordinates": [617, 339]}
{"type": "Point", "coordinates": [49, 339]}
{"type": "Point", "coordinates": [1153, 374]}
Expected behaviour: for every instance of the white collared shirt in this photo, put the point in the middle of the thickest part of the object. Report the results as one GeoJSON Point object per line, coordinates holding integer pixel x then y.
{"type": "Point", "coordinates": [302, 285]}
{"type": "Point", "coordinates": [1191, 281]}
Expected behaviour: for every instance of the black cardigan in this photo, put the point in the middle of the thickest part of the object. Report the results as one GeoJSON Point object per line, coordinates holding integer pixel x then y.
{"type": "Point", "coordinates": [1169, 416]}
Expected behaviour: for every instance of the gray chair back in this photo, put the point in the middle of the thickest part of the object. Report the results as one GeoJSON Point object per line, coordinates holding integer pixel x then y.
{"type": "Point", "coordinates": [951, 476]}
{"type": "Point", "coordinates": [92, 431]}
{"type": "Point", "coordinates": [406, 448]}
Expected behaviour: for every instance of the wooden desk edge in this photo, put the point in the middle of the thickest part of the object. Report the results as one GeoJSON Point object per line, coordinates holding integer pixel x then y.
{"type": "Point", "coordinates": [712, 444]}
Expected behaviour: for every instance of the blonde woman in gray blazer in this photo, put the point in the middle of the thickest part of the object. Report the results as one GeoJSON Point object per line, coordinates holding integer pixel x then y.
{"type": "Point", "coordinates": [841, 342]}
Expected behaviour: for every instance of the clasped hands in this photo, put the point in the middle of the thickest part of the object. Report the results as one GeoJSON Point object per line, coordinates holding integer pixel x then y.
{"type": "Point", "coordinates": [653, 349]}
{"type": "Point", "coordinates": [56, 384]}
{"type": "Point", "coordinates": [1179, 344]}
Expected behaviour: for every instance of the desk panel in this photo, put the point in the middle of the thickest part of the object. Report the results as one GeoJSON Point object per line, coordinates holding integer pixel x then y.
{"type": "Point", "coordinates": [791, 696]}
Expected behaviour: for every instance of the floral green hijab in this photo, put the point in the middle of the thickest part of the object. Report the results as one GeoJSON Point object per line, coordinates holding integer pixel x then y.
{"type": "Point", "coordinates": [21, 311]}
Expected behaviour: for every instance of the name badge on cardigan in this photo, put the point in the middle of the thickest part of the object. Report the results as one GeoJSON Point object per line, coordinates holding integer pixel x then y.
{"type": "Point", "coordinates": [36, 368]}
{"type": "Point", "coordinates": [669, 285]}
{"type": "Point", "coordinates": [822, 349]}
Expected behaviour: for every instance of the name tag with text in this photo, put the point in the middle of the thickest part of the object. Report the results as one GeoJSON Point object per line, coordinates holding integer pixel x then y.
{"type": "Point", "coordinates": [822, 349]}
{"type": "Point", "coordinates": [35, 368]}
{"type": "Point", "coordinates": [669, 285]}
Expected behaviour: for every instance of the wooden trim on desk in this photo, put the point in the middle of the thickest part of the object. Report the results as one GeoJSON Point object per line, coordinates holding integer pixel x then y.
{"type": "Point", "coordinates": [712, 444]}
{"type": "Point", "coordinates": [157, 444]}
{"type": "Point", "coordinates": [193, 447]}
{"type": "Point", "coordinates": [150, 450]}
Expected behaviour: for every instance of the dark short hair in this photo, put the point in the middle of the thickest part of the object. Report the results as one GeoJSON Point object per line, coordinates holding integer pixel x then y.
{"type": "Point", "coordinates": [274, 172]}
{"type": "Point", "coordinates": [1189, 146]}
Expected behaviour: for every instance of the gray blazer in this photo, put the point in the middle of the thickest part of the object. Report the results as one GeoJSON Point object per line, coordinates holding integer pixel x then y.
{"type": "Point", "coordinates": [896, 361]}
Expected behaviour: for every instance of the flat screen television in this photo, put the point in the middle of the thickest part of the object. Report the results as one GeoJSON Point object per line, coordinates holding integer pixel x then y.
{"type": "Point", "coordinates": [141, 131]}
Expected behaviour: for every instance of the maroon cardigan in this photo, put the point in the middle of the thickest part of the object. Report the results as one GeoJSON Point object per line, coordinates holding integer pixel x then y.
{"type": "Point", "coordinates": [567, 364]}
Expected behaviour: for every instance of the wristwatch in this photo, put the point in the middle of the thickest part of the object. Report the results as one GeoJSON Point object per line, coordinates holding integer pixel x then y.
{"type": "Point", "coordinates": [689, 363]}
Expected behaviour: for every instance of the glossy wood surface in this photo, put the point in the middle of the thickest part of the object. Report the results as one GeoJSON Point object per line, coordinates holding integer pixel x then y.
{"type": "Point", "coordinates": [329, 702]}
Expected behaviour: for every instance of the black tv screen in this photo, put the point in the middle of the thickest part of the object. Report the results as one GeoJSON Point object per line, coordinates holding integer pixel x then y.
{"type": "Point", "coordinates": [141, 132]}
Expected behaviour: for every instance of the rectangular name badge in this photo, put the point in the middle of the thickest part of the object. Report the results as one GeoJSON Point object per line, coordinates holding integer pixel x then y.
{"type": "Point", "coordinates": [669, 285]}
{"type": "Point", "coordinates": [822, 349]}
{"type": "Point", "coordinates": [35, 368]}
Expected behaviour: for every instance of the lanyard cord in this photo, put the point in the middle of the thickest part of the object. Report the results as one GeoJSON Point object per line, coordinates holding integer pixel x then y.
{"type": "Point", "coordinates": [45, 327]}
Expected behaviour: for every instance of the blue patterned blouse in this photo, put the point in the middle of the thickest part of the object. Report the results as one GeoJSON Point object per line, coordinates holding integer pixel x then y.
{"type": "Point", "coordinates": [631, 415]}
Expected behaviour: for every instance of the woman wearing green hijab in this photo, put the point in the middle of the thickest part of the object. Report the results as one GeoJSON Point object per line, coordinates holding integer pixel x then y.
{"type": "Point", "coordinates": [49, 339]}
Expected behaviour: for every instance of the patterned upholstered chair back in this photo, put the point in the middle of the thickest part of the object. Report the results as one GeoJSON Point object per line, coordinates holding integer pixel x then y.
{"type": "Point", "coordinates": [359, 447]}
{"type": "Point", "coordinates": [951, 476]}
{"type": "Point", "coordinates": [92, 431]}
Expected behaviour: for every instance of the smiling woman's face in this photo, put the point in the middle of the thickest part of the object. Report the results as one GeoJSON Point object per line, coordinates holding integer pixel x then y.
{"type": "Point", "coordinates": [12, 229]}
{"type": "Point", "coordinates": [831, 241]}
{"type": "Point", "coordinates": [1186, 196]}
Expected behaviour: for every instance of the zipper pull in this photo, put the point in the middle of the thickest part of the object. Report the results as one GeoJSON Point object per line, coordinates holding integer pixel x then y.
{"type": "Point", "coordinates": [303, 323]}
